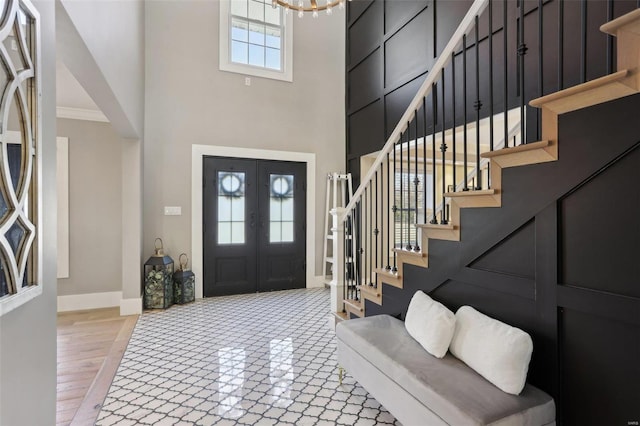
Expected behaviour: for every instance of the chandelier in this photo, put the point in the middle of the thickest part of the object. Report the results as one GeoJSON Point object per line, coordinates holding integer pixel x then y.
{"type": "Point", "coordinates": [308, 6]}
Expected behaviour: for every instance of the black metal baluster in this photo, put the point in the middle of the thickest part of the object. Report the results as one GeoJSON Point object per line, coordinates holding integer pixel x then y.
{"type": "Point", "coordinates": [350, 257]}
{"type": "Point", "coordinates": [345, 272]}
{"type": "Point", "coordinates": [522, 50]}
{"type": "Point", "coordinates": [443, 148]}
{"type": "Point", "coordinates": [388, 210]}
{"type": "Point", "coordinates": [365, 233]}
{"type": "Point", "coordinates": [401, 193]}
{"type": "Point", "coordinates": [359, 242]}
{"type": "Point", "coordinates": [434, 220]}
{"type": "Point", "coordinates": [583, 41]}
{"type": "Point", "coordinates": [505, 87]}
{"type": "Point", "coordinates": [540, 66]}
{"type": "Point", "coordinates": [395, 209]}
{"type": "Point", "coordinates": [453, 125]}
{"type": "Point", "coordinates": [490, 80]}
{"type": "Point", "coordinates": [354, 245]}
{"type": "Point", "coordinates": [416, 182]}
{"type": "Point", "coordinates": [560, 44]}
{"type": "Point", "coordinates": [376, 230]}
{"type": "Point", "coordinates": [610, 37]}
{"type": "Point", "coordinates": [370, 229]}
{"type": "Point", "coordinates": [409, 247]}
{"type": "Point", "coordinates": [424, 160]}
{"type": "Point", "coordinates": [477, 105]}
{"type": "Point", "coordinates": [464, 97]}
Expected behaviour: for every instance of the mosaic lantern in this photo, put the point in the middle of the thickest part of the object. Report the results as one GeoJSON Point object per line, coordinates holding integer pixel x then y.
{"type": "Point", "coordinates": [158, 280]}
{"type": "Point", "coordinates": [184, 283]}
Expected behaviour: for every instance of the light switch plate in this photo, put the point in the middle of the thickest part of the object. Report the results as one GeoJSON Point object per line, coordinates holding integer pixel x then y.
{"type": "Point", "coordinates": [172, 210]}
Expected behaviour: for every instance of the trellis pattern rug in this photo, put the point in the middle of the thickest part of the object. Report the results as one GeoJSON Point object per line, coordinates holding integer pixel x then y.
{"type": "Point", "coordinates": [258, 359]}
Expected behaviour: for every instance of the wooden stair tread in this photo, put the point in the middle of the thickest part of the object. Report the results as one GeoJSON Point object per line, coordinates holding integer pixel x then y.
{"type": "Point", "coordinates": [388, 277]}
{"type": "Point", "coordinates": [371, 290]}
{"type": "Point", "coordinates": [355, 304]}
{"type": "Point", "coordinates": [389, 274]}
{"type": "Point", "coordinates": [515, 149]}
{"type": "Point", "coordinates": [587, 94]}
{"type": "Point", "coordinates": [355, 307]}
{"type": "Point", "coordinates": [448, 232]}
{"type": "Point", "coordinates": [447, 227]}
{"type": "Point", "coordinates": [530, 153]}
{"type": "Point", "coordinates": [625, 20]}
{"type": "Point", "coordinates": [374, 294]}
{"type": "Point", "coordinates": [476, 198]}
{"type": "Point", "coordinates": [470, 193]}
{"type": "Point", "coordinates": [410, 253]}
{"type": "Point", "coordinates": [341, 316]}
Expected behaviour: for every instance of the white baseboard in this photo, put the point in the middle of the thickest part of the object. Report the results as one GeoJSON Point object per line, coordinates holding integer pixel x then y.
{"type": "Point", "coordinates": [79, 302]}
{"type": "Point", "coordinates": [317, 282]}
{"type": "Point", "coordinates": [131, 306]}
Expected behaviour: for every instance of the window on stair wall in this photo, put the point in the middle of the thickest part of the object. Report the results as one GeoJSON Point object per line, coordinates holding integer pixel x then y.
{"type": "Point", "coordinates": [407, 212]}
{"type": "Point", "coordinates": [256, 39]}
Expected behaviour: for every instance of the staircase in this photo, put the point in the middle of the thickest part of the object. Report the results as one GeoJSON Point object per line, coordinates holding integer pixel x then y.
{"type": "Point", "coordinates": [375, 215]}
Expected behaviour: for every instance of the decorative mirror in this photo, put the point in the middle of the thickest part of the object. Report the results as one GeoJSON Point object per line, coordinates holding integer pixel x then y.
{"type": "Point", "coordinates": [20, 217]}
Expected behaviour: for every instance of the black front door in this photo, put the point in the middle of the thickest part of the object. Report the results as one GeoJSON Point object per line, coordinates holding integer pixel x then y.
{"type": "Point", "coordinates": [254, 229]}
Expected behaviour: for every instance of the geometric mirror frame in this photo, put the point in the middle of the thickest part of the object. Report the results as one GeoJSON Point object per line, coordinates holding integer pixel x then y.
{"type": "Point", "coordinates": [20, 154]}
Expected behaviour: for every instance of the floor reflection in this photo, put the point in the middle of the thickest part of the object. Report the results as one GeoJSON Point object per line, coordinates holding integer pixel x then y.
{"type": "Point", "coordinates": [281, 371]}
{"type": "Point", "coordinates": [231, 382]}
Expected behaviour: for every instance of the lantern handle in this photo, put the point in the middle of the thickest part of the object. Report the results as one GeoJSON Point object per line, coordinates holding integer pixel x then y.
{"type": "Point", "coordinates": [183, 264]}
{"type": "Point", "coordinates": [155, 244]}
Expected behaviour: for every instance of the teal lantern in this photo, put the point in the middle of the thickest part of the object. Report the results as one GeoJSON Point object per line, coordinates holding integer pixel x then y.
{"type": "Point", "coordinates": [158, 280]}
{"type": "Point", "coordinates": [184, 282]}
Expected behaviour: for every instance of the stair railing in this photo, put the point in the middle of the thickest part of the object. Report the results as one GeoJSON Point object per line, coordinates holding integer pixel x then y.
{"type": "Point", "coordinates": [370, 246]}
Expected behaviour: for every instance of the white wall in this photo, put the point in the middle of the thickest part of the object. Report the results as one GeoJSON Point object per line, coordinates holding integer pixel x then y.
{"type": "Point", "coordinates": [113, 33]}
{"type": "Point", "coordinates": [28, 333]}
{"type": "Point", "coordinates": [94, 208]}
{"type": "Point", "coordinates": [189, 101]}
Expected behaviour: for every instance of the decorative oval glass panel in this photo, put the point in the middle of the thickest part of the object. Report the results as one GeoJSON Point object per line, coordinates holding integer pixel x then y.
{"type": "Point", "coordinates": [20, 272]}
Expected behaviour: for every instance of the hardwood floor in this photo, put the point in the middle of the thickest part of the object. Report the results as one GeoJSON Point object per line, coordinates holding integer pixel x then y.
{"type": "Point", "coordinates": [90, 346]}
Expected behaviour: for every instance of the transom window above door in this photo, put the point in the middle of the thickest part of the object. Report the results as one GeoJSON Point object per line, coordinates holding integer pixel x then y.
{"type": "Point", "coordinates": [255, 39]}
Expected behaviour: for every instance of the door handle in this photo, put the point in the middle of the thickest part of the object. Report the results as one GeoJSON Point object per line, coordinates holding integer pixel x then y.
{"type": "Point", "coordinates": [252, 218]}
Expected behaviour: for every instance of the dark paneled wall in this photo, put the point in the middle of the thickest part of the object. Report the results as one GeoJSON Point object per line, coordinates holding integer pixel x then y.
{"type": "Point", "coordinates": [559, 259]}
{"type": "Point", "coordinates": [392, 45]}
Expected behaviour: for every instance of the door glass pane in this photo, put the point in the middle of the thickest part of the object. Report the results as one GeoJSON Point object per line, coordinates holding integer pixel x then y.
{"type": "Point", "coordinates": [281, 209]}
{"type": "Point", "coordinates": [231, 199]}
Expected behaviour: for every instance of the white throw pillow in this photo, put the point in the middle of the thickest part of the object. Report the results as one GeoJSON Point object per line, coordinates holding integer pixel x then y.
{"type": "Point", "coordinates": [498, 352]}
{"type": "Point", "coordinates": [430, 323]}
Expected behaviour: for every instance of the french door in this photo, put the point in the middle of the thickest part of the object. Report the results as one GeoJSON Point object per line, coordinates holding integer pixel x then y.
{"type": "Point", "coordinates": [254, 214]}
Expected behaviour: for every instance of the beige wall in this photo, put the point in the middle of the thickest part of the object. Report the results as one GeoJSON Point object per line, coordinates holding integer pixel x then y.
{"type": "Point", "coordinates": [188, 101]}
{"type": "Point", "coordinates": [94, 208]}
{"type": "Point", "coordinates": [28, 333]}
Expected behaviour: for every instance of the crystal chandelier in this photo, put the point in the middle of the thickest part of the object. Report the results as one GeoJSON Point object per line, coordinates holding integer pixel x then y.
{"type": "Point", "coordinates": [308, 6]}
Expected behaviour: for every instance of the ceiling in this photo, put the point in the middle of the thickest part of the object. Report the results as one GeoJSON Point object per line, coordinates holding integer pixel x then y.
{"type": "Point", "coordinates": [69, 93]}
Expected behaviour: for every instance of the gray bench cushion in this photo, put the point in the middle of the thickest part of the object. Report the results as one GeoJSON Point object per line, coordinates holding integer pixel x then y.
{"type": "Point", "coordinates": [447, 386]}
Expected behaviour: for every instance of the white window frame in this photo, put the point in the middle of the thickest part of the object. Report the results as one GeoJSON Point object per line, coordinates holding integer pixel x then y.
{"type": "Point", "coordinates": [225, 64]}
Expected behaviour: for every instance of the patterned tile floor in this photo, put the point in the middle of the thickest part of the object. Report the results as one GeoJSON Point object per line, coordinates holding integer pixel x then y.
{"type": "Point", "coordinates": [258, 359]}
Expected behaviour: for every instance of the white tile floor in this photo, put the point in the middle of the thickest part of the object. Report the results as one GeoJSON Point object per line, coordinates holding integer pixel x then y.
{"type": "Point", "coordinates": [258, 359]}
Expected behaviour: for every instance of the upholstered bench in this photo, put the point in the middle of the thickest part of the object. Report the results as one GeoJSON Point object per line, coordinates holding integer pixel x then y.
{"type": "Point", "coordinates": [420, 389]}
